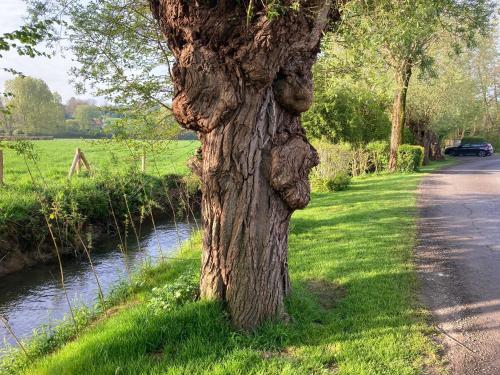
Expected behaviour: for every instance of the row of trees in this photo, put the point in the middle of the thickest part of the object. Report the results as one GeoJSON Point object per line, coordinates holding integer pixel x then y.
{"type": "Point", "coordinates": [459, 98]}
{"type": "Point", "coordinates": [426, 66]}
{"type": "Point", "coordinates": [31, 108]}
{"type": "Point", "coordinates": [456, 95]}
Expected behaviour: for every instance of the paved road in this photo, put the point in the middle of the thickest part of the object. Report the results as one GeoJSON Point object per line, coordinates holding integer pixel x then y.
{"type": "Point", "coordinates": [458, 257]}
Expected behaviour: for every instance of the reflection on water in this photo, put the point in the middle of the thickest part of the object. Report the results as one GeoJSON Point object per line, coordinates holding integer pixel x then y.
{"type": "Point", "coordinates": [34, 297]}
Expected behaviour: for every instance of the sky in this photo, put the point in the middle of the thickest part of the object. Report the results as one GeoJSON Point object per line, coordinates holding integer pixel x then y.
{"type": "Point", "coordinates": [54, 71]}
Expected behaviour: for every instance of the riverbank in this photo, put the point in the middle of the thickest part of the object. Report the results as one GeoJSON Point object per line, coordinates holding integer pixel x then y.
{"type": "Point", "coordinates": [39, 288]}
{"type": "Point", "coordinates": [353, 307]}
{"type": "Point", "coordinates": [114, 196]}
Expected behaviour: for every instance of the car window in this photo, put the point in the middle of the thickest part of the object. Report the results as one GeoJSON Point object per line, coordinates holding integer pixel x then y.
{"type": "Point", "coordinates": [466, 145]}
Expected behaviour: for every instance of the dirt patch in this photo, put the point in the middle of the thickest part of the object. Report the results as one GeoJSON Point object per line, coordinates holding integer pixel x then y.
{"type": "Point", "coordinates": [112, 311]}
{"type": "Point", "coordinates": [327, 292]}
{"type": "Point", "coordinates": [286, 353]}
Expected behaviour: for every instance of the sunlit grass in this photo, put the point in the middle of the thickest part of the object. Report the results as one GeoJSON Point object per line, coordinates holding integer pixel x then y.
{"type": "Point", "coordinates": [358, 242]}
{"type": "Point", "coordinates": [50, 171]}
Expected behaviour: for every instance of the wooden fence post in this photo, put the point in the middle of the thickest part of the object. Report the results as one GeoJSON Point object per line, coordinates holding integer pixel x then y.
{"type": "Point", "coordinates": [143, 163]}
{"type": "Point", "coordinates": [78, 160]}
{"type": "Point", "coordinates": [1, 167]}
{"type": "Point", "coordinates": [75, 162]}
{"type": "Point", "coordinates": [83, 160]}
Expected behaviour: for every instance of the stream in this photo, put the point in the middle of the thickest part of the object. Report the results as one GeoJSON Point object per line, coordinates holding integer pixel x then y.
{"type": "Point", "coordinates": [34, 297]}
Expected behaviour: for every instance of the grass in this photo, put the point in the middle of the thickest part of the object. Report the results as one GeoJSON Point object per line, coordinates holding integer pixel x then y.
{"type": "Point", "coordinates": [353, 305]}
{"type": "Point", "coordinates": [55, 158]}
{"type": "Point", "coordinates": [17, 197]}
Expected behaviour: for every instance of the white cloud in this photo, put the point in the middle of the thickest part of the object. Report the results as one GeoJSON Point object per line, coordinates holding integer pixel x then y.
{"type": "Point", "coordinates": [11, 14]}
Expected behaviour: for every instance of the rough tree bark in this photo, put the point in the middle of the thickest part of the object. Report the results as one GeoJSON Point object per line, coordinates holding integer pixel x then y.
{"type": "Point", "coordinates": [425, 137]}
{"type": "Point", "coordinates": [399, 112]}
{"type": "Point", "coordinates": [241, 83]}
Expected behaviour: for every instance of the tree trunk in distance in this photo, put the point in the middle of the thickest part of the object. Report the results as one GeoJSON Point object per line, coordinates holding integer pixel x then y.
{"type": "Point", "coordinates": [242, 82]}
{"type": "Point", "coordinates": [425, 137]}
{"type": "Point", "coordinates": [399, 113]}
{"type": "Point", "coordinates": [436, 153]}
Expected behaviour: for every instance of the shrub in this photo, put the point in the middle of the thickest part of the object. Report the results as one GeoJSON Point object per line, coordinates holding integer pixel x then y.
{"type": "Point", "coordinates": [340, 182]}
{"type": "Point", "coordinates": [177, 293]}
{"type": "Point", "coordinates": [318, 184]}
{"type": "Point", "coordinates": [494, 139]}
{"type": "Point", "coordinates": [333, 173]}
{"type": "Point", "coordinates": [379, 155]}
{"type": "Point", "coordinates": [410, 158]}
{"type": "Point", "coordinates": [360, 162]}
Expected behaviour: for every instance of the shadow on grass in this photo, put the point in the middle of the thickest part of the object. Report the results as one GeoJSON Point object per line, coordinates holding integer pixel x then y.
{"type": "Point", "coordinates": [198, 337]}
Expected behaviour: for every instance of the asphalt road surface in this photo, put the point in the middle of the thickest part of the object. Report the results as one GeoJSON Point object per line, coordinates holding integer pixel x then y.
{"type": "Point", "coordinates": [458, 258]}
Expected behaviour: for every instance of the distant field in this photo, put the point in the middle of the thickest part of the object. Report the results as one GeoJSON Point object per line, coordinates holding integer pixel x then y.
{"type": "Point", "coordinates": [54, 160]}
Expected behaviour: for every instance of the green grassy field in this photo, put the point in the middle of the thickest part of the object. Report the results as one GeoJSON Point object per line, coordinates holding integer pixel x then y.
{"type": "Point", "coordinates": [353, 308]}
{"type": "Point", "coordinates": [54, 158]}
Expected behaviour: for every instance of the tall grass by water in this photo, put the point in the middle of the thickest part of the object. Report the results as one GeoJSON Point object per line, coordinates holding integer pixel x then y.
{"type": "Point", "coordinates": [38, 201]}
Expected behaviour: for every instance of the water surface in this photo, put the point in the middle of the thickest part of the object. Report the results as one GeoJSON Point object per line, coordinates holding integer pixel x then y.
{"type": "Point", "coordinates": [33, 297]}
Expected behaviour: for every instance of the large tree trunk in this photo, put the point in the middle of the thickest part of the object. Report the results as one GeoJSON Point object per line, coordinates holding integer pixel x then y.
{"type": "Point", "coordinates": [242, 83]}
{"type": "Point", "coordinates": [399, 112]}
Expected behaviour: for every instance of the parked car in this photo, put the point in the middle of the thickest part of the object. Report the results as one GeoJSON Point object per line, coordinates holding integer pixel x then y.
{"type": "Point", "coordinates": [470, 149]}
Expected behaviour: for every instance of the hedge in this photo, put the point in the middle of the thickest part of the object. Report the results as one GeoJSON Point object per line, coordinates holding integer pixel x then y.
{"type": "Point", "coordinates": [410, 158]}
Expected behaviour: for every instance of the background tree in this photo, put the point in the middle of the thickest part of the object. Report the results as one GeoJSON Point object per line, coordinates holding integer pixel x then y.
{"type": "Point", "coordinates": [88, 117]}
{"type": "Point", "coordinates": [6, 124]}
{"type": "Point", "coordinates": [450, 99]}
{"type": "Point", "coordinates": [351, 98]}
{"type": "Point", "coordinates": [442, 100]}
{"type": "Point", "coordinates": [242, 77]}
{"type": "Point", "coordinates": [483, 62]}
{"type": "Point", "coordinates": [34, 109]}
{"type": "Point", "coordinates": [72, 103]}
{"type": "Point", "coordinates": [402, 32]}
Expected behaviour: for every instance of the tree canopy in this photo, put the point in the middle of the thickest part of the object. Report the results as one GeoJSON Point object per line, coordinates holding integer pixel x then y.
{"type": "Point", "coordinates": [351, 98]}
{"type": "Point", "coordinates": [33, 108]}
{"type": "Point", "coordinates": [401, 34]}
{"type": "Point", "coordinates": [119, 50]}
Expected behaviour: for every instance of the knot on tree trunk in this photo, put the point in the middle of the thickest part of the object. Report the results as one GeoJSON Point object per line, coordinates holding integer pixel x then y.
{"type": "Point", "coordinates": [205, 83]}
{"type": "Point", "coordinates": [291, 164]}
{"type": "Point", "coordinates": [293, 93]}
